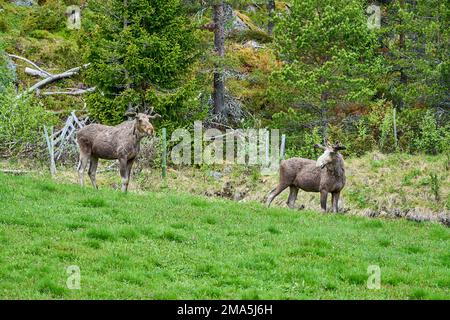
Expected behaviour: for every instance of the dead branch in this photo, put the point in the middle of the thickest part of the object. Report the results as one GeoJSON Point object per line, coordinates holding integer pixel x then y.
{"type": "Point", "coordinates": [11, 171]}
{"type": "Point", "coordinates": [53, 78]}
{"type": "Point", "coordinates": [73, 92]}
{"type": "Point", "coordinates": [36, 73]}
{"type": "Point", "coordinates": [30, 62]}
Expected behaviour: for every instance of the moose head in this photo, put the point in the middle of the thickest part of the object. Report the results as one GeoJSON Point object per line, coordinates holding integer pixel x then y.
{"type": "Point", "coordinates": [143, 124]}
{"type": "Point", "coordinates": [330, 153]}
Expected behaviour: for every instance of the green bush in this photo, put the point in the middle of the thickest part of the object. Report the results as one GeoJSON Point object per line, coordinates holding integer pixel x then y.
{"type": "Point", "coordinates": [50, 17]}
{"type": "Point", "coordinates": [430, 138]}
{"type": "Point", "coordinates": [301, 134]}
{"type": "Point", "coordinates": [21, 122]}
{"type": "Point", "coordinates": [357, 137]}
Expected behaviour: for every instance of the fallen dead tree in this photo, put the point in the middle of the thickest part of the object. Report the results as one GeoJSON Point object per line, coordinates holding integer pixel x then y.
{"type": "Point", "coordinates": [50, 78]}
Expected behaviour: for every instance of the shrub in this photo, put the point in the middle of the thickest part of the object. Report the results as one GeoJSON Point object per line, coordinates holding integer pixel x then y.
{"type": "Point", "coordinates": [301, 133]}
{"type": "Point", "coordinates": [435, 184]}
{"type": "Point", "coordinates": [430, 138]}
{"type": "Point", "coordinates": [21, 121]}
{"type": "Point", "coordinates": [357, 138]}
{"type": "Point", "coordinates": [49, 16]}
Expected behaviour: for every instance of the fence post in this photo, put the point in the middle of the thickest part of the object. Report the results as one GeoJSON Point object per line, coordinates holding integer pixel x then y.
{"type": "Point", "coordinates": [50, 147]}
{"type": "Point", "coordinates": [283, 146]}
{"type": "Point", "coordinates": [164, 153]}
{"type": "Point", "coordinates": [394, 111]}
{"type": "Point", "coordinates": [267, 145]}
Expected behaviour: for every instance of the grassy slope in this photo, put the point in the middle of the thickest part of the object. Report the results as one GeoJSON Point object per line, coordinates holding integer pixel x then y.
{"type": "Point", "coordinates": [375, 181]}
{"type": "Point", "coordinates": [168, 245]}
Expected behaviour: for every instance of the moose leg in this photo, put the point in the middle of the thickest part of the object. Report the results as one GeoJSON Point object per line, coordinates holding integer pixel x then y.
{"type": "Point", "coordinates": [93, 170]}
{"type": "Point", "coordinates": [274, 193]}
{"type": "Point", "coordinates": [335, 201]}
{"type": "Point", "coordinates": [82, 166]}
{"type": "Point", "coordinates": [292, 197]}
{"type": "Point", "coordinates": [323, 200]}
{"type": "Point", "coordinates": [129, 165]}
{"type": "Point", "coordinates": [124, 174]}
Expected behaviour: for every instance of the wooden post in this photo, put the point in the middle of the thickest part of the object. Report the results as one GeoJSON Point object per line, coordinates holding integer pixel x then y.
{"type": "Point", "coordinates": [283, 146]}
{"type": "Point", "coordinates": [50, 146]}
{"type": "Point", "coordinates": [267, 145]}
{"type": "Point", "coordinates": [164, 153]}
{"type": "Point", "coordinates": [395, 127]}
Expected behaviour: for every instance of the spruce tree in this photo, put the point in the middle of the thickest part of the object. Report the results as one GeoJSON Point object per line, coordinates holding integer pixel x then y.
{"type": "Point", "coordinates": [137, 49]}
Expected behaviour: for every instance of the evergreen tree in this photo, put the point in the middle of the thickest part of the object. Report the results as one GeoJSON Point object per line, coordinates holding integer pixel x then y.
{"type": "Point", "coordinates": [415, 37]}
{"type": "Point", "coordinates": [330, 56]}
{"type": "Point", "coordinates": [137, 49]}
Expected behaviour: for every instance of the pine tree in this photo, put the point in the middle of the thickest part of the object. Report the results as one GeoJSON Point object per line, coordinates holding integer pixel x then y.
{"type": "Point", "coordinates": [329, 56]}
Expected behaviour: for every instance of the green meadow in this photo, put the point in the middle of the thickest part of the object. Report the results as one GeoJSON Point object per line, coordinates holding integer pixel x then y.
{"type": "Point", "coordinates": [167, 245]}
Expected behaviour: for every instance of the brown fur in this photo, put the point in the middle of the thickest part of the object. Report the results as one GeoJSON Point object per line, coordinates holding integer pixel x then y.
{"type": "Point", "coordinates": [120, 142]}
{"type": "Point", "coordinates": [326, 175]}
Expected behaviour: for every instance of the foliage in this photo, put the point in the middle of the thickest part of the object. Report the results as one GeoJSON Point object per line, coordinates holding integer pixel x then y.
{"type": "Point", "coordinates": [435, 185]}
{"type": "Point", "coordinates": [49, 16]}
{"type": "Point", "coordinates": [415, 37]}
{"type": "Point", "coordinates": [330, 60]}
{"type": "Point", "coordinates": [6, 76]}
{"type": "Point", "coordinates": [137, 51]}
{"type": "Point", "coordinates": [21, 121]}
{"type": "Point", "coordinates": [431, 138]}
{"type": "Point", "coordinates": [329, 53]}
{"type": "Point", "coordinates": [299, 143]}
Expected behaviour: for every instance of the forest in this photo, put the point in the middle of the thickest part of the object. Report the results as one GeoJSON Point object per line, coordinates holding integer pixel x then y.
{"type": "Point", "coordinates": [315, 69]}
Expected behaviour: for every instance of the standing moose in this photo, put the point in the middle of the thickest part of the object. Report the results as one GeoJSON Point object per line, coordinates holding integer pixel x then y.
{"type": "Point", "coordinates": [326, 175]}
{"type": "Point", "coordinates": [121, 142]}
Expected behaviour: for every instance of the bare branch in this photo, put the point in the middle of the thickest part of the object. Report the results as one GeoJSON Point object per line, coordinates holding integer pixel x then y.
{"type": "Point", "coordinates": [30, 62]}
{"type": "Point", "coordinates": [72, 93]}
{"type": "Point", "coordinates": [53, 78]}
{"type": "Point", "coordinates": [34, 72]}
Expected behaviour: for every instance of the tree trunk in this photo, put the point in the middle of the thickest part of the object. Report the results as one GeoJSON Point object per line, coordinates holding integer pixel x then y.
{"type": "Point", "coordinates": [219, 45]}
{"type": "Point", "coordinates": [271, 9]}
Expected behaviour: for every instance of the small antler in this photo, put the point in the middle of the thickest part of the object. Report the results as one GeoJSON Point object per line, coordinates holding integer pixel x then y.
{"type": "Point", "coordinates": [337, 146]}
{"type": "Point", "coordinates": [153, 116]}
{"type": "Point", "coordinates": [319, 146]}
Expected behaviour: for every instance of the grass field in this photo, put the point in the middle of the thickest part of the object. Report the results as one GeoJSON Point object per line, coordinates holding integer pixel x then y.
{"type": "Point", "coordinates": [161, 245]}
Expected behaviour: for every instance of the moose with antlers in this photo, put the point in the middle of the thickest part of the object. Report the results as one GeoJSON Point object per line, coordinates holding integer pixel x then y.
{"type": "Point", "coordinates": [122, 142]}
{"type": "Point", "coordinates": [326, 175]}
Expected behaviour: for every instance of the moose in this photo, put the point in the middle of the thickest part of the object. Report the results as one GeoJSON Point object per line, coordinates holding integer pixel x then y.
{"type": "Point", "coordinates": [326, 175]}
{"type": "Point", "coordinates": [121, 142]}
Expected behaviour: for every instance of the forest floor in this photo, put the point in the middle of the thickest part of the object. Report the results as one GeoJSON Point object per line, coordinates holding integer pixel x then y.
{"type": "Point", "coordinates": [174, 245]}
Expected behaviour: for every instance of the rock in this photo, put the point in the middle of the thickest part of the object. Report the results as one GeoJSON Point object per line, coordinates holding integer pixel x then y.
{"type": "Point", "coordinates": [253, 44]}
{"type": "Point", "coordinates": [227, 170]}
{"type": "Point", "coordinates": [251, 8]}
{"type": "Point", "coordinates": [24, 3]}
{"type": "Point", "coordinates": [444, 219]}
{"type": "Point", "coordinates": [370, 213]}
{"type": "Point", "coordinates": [240, 194]}
{"type": "Point", "coordinates": [12, 76]}
{"type": "Point", "coordinates": [216, 175]}
{"type": "Point", "coordinates": [232, 21]}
